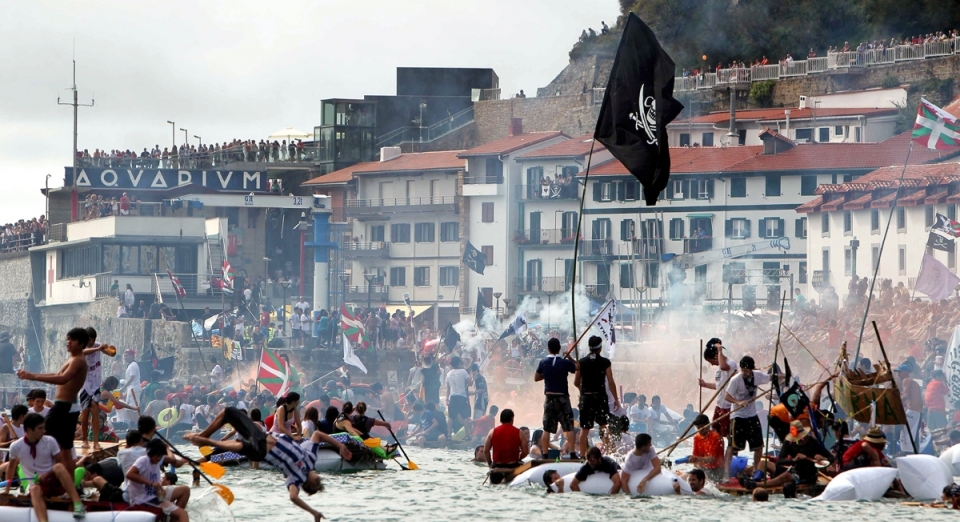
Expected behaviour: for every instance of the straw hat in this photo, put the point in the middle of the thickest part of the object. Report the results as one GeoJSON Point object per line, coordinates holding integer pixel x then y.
{"type": "Point", "coordinates": [875, 436]}
{"type": "Point", "coordinates": [797, 432]}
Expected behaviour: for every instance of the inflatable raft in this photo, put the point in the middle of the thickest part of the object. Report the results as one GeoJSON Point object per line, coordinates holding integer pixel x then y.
{"type": "Point", "coordinates": [25, 514]}
{"type": "Point", "coordinates": [328, 460]}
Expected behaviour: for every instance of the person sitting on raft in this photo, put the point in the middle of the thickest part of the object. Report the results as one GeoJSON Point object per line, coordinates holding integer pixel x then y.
{"type": "Point", "coordinates": [359, 425]}
{"type": "Point", "coordinates": [286, 420]}
{"type": "Point", "coordinates": [505, 447]}
{"type": "Point", "coordinates": [432, 426]}
{"type": "Point", "coordinates": [296, 461]}
{"type": "Point", "coordinates": [868, 452]}
{"type": "Point", "coordinates": [144, 482]}
{"type": "Point", "coordinates": [596, 462]}
{"type": "Point", "coordinates": [707, 449]}
{"type": "Point", "coordinates": [327, 425]}
{"type": "Point", "coordinates": [797, 460]}
{"type": "Point", "coordinates": [643, 457]}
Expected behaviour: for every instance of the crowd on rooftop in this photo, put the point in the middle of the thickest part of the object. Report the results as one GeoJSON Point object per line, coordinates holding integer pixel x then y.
{"type": "Point", "coordinates": [23, 234]}
{"type": "Point", "coordinates": [197, 157]}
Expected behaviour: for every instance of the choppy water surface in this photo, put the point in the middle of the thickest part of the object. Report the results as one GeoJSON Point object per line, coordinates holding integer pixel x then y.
{"type": "Point", "coordinates": [448, 487]}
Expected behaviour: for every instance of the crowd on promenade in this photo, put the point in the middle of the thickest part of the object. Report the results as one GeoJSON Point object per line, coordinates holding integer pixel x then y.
{"type": "Point", "coordinates": [196, 157]}
{"type": "Point", "coordinates": [15, 237]}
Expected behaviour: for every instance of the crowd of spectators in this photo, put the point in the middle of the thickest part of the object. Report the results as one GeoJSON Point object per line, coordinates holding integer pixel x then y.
{"type": "Point", "coordinates": [197, 157]}
{"type": "Point", "coordinates": [96, 206]}
{"type": "Point", "coordinates": [23, 234]}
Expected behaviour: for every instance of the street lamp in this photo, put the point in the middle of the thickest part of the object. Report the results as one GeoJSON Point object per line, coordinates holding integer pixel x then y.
{"type": "Point", "coordinates": [173, 131]}
{"type": "Point", "coordinates": [497, 295]}
{"type": "Point", "coordinates": [185, 140]}
{"type": "Point", "coordinates": [343, 283]}
{"type": "Point", "coordinates": [283, 304]}
{"type": "Point", "coordinates": [506, 306]}
{"type": "Point", "coordinates": [549, 297]}
{"type": "Point", "coordinates": [199, 139]}
{"type": "Point", "coordinates": [370, 277]}
{"type": "Point", "coordinates": [420, 123]}
{"type": "Point", "coordinates": [46, 184]}
{"type": "Point", "coordinates": [854, 245]}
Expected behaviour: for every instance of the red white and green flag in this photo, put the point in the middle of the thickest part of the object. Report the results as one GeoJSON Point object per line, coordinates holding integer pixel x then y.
{"type": "Point", "coordinates": [274, 374]}
{"type": "Point", "coordinates": [353, 329]}
{"type": "Point", "coordinates": [227, 277]}
{"type": "Point", "coordinates": [936, 128]}
{"type": "Point", "coordinates": [177, 287]}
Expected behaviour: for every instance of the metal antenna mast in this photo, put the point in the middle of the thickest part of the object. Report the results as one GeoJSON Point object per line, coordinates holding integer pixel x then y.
{"type": "Point", "coordinates": [75, 104]}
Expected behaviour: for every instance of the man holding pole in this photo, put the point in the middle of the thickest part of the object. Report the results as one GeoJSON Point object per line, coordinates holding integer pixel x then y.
{"type": "Point", "coordinates": [912, 397]}
{"type": "Point", "coordinates": [594, 373]}
{"type": "Point", "coordinates": [715, 356]}
{"type": "Point", "coordinates": [745, 427]}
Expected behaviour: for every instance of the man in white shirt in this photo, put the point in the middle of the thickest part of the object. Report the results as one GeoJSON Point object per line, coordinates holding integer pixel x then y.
{"type": "Point", "coordinates": [458, 403]}
{"type": "Point", "coordinates": [714, 355]}
{"type": "Point", "coordinates": [295, 327]}
{"type": "Point", "coordinates": [37, 455]}
{"type": "Point", "coordinates": [247, 295]}
{"type": "Point", "coordinates": [304, 306]}
{"type": "Point", "coordinates": [216, 374]}
{"type": "Point", "coordinates": [745, 425]}
{"type": "Point", "coordinates": [132, 389]}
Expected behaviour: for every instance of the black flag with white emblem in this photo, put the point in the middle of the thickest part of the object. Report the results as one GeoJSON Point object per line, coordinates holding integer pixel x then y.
{"type": "Point", "coordinates": [940, 242]}
{"type": "Point", "coordinates": [474, 259]}
{"type": "Point", "coordinates": [637, 106]}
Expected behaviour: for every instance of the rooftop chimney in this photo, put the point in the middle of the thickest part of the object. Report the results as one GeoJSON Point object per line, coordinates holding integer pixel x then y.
{"type": "Point", "coordinates": [516, 127]}
{"type": "Point", "coordinates": [389, 153]}
{"type": "Point", "coordinates": [787, 114]}
{"type": "Point", "coordinates": [732, 133]}
{"type": "Point", "coordinates": [803, 102]}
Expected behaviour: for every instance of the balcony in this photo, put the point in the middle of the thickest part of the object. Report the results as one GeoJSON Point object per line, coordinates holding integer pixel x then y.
{"type": "Point", "coordinates": [541, 285]}
{"type": "Point", "coordinates": [693, 246]}
{"type": "Point", "coordinates": [550, 191]}
{"type": "Point", "coordinates": [368, 250]}
{"type": "Point", "coordinates": [542, 237]}
{"type": "Point", "coordinates": [376, 294]}
{"type": "Point", "coordinates": [646, 249]}
{"type": "Point", "coordinates": [371, 208]}
{"type": "Point", "coordinates": [598, 291]}
{"type": "Point", "coordinates": [596, 247]}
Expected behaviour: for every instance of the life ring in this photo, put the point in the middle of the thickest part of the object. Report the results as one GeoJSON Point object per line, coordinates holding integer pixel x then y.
{"type": "Point", "coordinates": [168, 417]}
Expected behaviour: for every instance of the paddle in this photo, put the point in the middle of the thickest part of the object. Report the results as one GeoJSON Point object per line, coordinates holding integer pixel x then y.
{"type": "Point", "coordinates": [410, 463]}
{"type": "Point", "coordinates": [220, 489]}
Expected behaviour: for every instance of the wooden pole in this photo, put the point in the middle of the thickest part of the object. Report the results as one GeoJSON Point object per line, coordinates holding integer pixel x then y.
{"type": "Point", "coordinates": [699, 388]}
{"type": "Point", "coordinates": [587, 330]}
{"type": "Point", "coordinates": [895, 388]}
{"type": "Point", "coordinates": [776, 353]}
{"type": "Point", "coordinates": [716, 394]}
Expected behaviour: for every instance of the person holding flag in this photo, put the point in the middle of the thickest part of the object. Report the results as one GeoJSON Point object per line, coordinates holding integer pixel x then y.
{"type": "Point", "coordinates": [594, 376]}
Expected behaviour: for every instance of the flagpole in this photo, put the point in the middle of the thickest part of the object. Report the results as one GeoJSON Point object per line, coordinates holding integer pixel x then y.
{"type": "Point", "coordinates": [256, 379]}
{"type": "Point", "coordinates": [183, 311]}
{"type": "Point", "coordinates": [194, 334]}
{"type": "Point", "coordinates": [876, 269]}
{"type": "Point", "coordinates": [576, 248]}
{"type": "Point", "coordinates": [589, 326]}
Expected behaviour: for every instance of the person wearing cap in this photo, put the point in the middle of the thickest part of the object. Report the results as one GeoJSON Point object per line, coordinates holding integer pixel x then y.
{"type": "Point", "coordinates": [868, 452]}
{"type": "Point", "coordinates": [714, 355]}
{"type": "Point", "coordinates": [594, 374]}
{"type": "Point", "coordinates": [797, 462]}
{"type": "Point", "coordinates": [745, 428]}
{"type": "Point", "coordinates": [911, 395]}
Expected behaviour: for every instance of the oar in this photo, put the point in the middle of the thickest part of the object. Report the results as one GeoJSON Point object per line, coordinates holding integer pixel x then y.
{"type": "Point", "coordinates": [410, 463]}
{"type": "Point", "coordinates": [220, 489]}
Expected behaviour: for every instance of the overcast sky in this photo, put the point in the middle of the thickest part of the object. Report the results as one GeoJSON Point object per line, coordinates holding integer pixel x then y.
{"type": "Point", "coordinates": [241, 69]}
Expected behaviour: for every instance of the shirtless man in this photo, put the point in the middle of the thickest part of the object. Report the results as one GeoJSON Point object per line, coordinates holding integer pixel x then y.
{"type": "Point", "coordinates": [90, 393]}
{"type": "Point", "coordinates": [61, 423]}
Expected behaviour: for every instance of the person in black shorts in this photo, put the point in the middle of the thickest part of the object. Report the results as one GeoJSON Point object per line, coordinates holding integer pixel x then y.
{"type": "Point", "coordinates": [594, 374]}
{"type": "Point", "coordinates": [553, 371]}
{"type": "Point", "coordinates": [597, 463]}
{"type": "Point", "coordinates": [744, 424]}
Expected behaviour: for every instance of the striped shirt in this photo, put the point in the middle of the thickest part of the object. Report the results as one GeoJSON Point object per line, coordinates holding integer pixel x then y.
{"type": "Point", "coordinates": [294, 460]}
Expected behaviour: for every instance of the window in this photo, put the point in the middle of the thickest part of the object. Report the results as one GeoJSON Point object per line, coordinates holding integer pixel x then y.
{"type": "Point", "coordinates": [626, 275]}
{"type": "Point", "coordinates": [808, 185]}
{"type": "Point", "coordinates": [377, 232]}
{"type": "Point", "coordinates": [804, 134]}
{"type": "Point", "coordinates": [424, 233]}
{"type": "Point", "coordinates": [631, 190]}
{"type": "Point", "coordinates": [601, 228]}
{"type": "Point", "coordinates": [400, 233]}
{"type": "Point", "coordinates": [488, 253]}
{"type": "Point", "coordinates": [421, 276]}
{"type": "Point", "coordinates": [738, 228]}
{"type": "Point", "coordinates": [76, 262]}
{"type": "Point", "coordinates": [679, 187]}
{"type": "Point", "coordinates": [824, 134]}
{"type": "Point", "coordinates": [708, 139]}
{"type": "Point", "coordinates": [901, 219]}
{"type": "Point", "coordinates": [847, 260]}
{"type": "Point", "coordinates": [847, 222]}
{"type": "Point", "coordinates": [651, 275]}
{"type": "Point", "coordinates": [628, 229]}
{"type": "Point", "coordinates": [449, 275]}
{"type": "Point", "coordinates": [771, 227]}
{"type": "Point", "coordinates": [825, 224]}
{"type": "Point", "coordinates": [874, 256]}
{"type": "Point", "coordinates": [902, 259]}
{"type": "Point", "coordinates": [738, 187]}
{"type": "Point", "coordinates": [856, 134]}
{"type": "Point", "coordinates": [801, 228]}
{"type": "Point", "coordinates": [838, 130]}
{"type": "Point", "coordinates": [676, 229]}
{"type": "Point", "coordinates": [874, 221]}
{"type": "Point", "coordinates": [450, 231]}
{"type": "Point", "coordinates": [802, 275]}
{"type": "Point", "coordinates": [487, 212]}
{"type": "Point", "coordinates": [606, 191]}
{"type": "Point", "coordinates": [398, 276]}
{"type": "Point", "coordinates": [952, 212]}
{"type": "Point", "coordinates": [772, 186]}
{"type": "Point", "coordinates": [928, 214]}
{"type": "Point", "coordinates": [825, 259]}
{"type": "Point", "coordinates": [703, 188]}
{"type": "Point", "coordinates": [494, 171]}
{"type": "Point", "coordinates": [684, 139]}
{"type": "Point", "coordinates": [771, 272]}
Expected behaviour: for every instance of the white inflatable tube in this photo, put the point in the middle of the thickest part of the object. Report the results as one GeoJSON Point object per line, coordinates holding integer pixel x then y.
{"type": "Point", "coordinates": [923, 476]}
{"type": "Point", "coordinates": [534, 475]}
{"type": "Point", "coordinates": [23, 514]}
{"type": "Point", "coordinates": [951, 458]}
{"type": "Point", "coordinates": [330, 461]}
{"type": "Point", "coordinates": [658, 486]}
{"type": "Point", "coordinates": [859, 484]}
{"type": "Point", "coordinates": [596, 484]}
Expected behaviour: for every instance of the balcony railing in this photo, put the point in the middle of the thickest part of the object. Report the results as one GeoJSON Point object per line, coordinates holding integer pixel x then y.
{"type": "Point", "coordinates": [692, 246]}
{"type": "Point", "coordinates": [400, 202]}
{"type": "Point", "coordinates": [193, 284]}
{"type": "Point", "coordinates": [552, 191]}
{"type": "Point", "coordinates": [837, 61]}
{"type": "Point", "coordinates": [533, 237]}
{"type": "Point", "coordinates": [377, 294]}
{"type": "Point", "coordinates": [483, 180]}
{"type": "Point", "coordinates": [596, 247]}
{"type": "Point", "coordinates": [367, 250]}
{"type": "Point", "coordinates": [413, 134]}
{"type": "Point", "coordinates": [206, 159]}
{"type": "Point", "coordinates": [597, 291]}
{"type": "Point", "coordinates": [541, 285]}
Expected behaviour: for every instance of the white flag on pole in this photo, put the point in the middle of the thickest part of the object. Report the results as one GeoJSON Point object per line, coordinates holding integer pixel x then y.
{"type": "Point", "coordinates": [605, 323]}
{"type": "Point", "coordinates": [350, 357]}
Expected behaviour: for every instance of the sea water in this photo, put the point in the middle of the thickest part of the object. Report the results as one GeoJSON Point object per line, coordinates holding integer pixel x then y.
{"type": "Point", "coordinates": [450, 487]}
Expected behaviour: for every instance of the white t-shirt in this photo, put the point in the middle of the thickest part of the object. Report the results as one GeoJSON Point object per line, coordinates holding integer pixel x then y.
{"type": "Point", "coordinates": [738, 390]}
{"type": "Point", "coordinates": [635, 463]}
{"type": "Point", "coordinates": [127, 456]}
{"type": "Point", "coordinates": [303, 305]}
{"type": "Point", "coordinates": [47, 450]}
{"type": "Point", "coordinates": [92, 382]}
{"type": "Point", "coordinates": [216, 374]}
{"type": "Point", "coordinates": [638, 414]}
{"type": "Point", "coordinates": [457, 381]}
{"type": "Point", "coordinates": [186, 413]}
{"type": "Point", "coordinates": [128, 298]}
{"type": "Point", "coordinates": [43, 412]}
{"type": "Point", "coordinates": [132, 376]}
{"type": "Point", "coordinates": [721, 377]}
{"type": "Point", "coordinates": [140, 493]}
{"type": "Point", "coordinates": [295, 321]}
{"type": "Point", "coordinates": [247, 294]}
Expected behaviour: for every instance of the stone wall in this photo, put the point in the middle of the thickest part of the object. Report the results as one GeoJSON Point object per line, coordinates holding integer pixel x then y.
{"type": "Point", "coordinates": [585, 73]}
{"type": "Point", "coordinates": [575, 115]}
{"type": "Point", "coordinates": [16, 296]}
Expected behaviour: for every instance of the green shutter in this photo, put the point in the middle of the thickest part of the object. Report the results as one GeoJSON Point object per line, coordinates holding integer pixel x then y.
{"type": "Point", "coordinates": [746, 228]}
{"type": "Point", "coordinates": [780, 228]}
{"type": "Point", "coordinates": [669, 190]}
{"type": "Point", "coordinates": [728, 228]}
{"type": "Point", "coordinates": [710, 188]}
{"type": "Point", "coordinates": [763, 228]}
{"type": "Point", "coordinates": [596, 191]}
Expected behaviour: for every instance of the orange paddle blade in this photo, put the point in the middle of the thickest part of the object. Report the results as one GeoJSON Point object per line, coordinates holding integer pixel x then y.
{"type": "Point", "coordinates": [224, 493]}
{"type": "Point", "coordinates": [213, 469]}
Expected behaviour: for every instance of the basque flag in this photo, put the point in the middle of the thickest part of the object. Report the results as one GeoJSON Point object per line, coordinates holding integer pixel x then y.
{"type": "Point", "coordinates": [177, 287]}
{"type": "Point", "coordinates": [637, 106]}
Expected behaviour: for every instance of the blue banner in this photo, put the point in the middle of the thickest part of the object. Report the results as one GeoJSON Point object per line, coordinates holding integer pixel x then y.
{"type": "Point", "coordinates": [164, 179]}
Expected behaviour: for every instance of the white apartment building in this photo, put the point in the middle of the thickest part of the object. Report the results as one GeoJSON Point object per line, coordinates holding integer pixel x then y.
{"type": "Point", "coordinates": [848, 220]}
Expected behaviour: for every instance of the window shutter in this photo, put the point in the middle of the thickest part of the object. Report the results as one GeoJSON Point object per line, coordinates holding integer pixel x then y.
{"type": "Point", "coordinates": [681, 227]}
{"type": "Point", "coordinates": [623, 229]}
{"type": "Point", "coordinates": [687, 185]}
{"type": "Point", "coordinates": [596, 191]}
{"type": "Point", "coordinates": [710, 188]}
{"type": "Point", "coordinates": [780, 228]}
{"type": "Point", "coordinates": [763, 228]}
{"type": "Point", "coordinates": [620, 191]}
{"type": "Point", "coordinates": [669, 189]}
{"type": "Point", "coordinates": [798, 229]}
{"type": "Point", "coordinates": [728, 228]}
{"type": "Point", "coordinates": [660, 228]}
{"type": "Point", "coordinates": [746, 228]}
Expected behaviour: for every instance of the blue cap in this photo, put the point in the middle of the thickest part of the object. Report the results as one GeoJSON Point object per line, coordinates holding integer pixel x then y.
{"type": "Point", "coordinates": [904, 368]}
